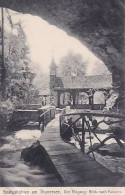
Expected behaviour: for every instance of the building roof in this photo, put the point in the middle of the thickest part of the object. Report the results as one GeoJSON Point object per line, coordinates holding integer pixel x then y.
{"type": "Point", "coordinates": [94, 81]}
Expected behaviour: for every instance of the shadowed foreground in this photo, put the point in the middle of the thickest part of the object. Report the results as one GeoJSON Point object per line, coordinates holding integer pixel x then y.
{"type": "Point", "coordinates": [75, 167]}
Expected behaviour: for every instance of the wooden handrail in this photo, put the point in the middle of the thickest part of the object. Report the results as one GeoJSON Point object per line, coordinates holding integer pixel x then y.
{"type": "Point", "coordinates": [91, 129]}
{"type": "Point", "coordinates": [44, 113]}
{"type": "Point", "coordinates": [42, 118]}
{"type": "Point", "coordinates": [90, 113]}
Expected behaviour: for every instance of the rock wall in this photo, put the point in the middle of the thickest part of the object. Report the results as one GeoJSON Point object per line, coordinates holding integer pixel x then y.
{"type": "Point", "coordinates": [98, 24]}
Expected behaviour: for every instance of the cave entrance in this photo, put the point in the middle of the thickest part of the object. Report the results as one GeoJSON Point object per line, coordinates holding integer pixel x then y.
{"type": "Point", "coordinates": [76, 66]}
{"type": "Point", "coordinates": [101, 31]}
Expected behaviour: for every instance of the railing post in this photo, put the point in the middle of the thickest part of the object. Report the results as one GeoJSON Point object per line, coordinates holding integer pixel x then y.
{"type": "Point", "coordinates": [60, 120]}
{"type": "Point", "coordinates": [50, 117]}
{"type": "Point", "coordinates": [83, 135]}
{"type": "Point", "coordinates": [43, 123]}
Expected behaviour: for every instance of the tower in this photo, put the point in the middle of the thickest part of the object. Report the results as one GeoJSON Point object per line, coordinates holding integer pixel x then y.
{"type": "Point", "coordinates": [53, 69]}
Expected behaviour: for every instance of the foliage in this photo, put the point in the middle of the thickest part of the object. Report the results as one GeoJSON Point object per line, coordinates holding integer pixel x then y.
{"type": "Point", "coordinates": [18, 76]}
{"type": "Point", "coordinates": [72, 64]}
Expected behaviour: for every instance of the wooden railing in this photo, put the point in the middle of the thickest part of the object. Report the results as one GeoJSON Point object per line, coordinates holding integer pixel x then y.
{"type": "Point", "coordinates": [69, 127]}
{"type": "Point", "coordinates": [23, 116]}
{"type": "Point", "coordinates": [46, 117]}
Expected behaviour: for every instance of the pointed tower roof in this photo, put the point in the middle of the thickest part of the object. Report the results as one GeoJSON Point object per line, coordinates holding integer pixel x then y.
{"type": "Point", "coordinates": [53, 64]}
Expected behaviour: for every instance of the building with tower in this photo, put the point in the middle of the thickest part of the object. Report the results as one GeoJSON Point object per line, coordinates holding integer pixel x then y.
{"type": "Point", "coordinates": [78, 90]}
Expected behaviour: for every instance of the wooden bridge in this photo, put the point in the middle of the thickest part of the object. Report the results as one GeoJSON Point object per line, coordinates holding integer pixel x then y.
{"type": "Point", "coordinates": [74, 167]}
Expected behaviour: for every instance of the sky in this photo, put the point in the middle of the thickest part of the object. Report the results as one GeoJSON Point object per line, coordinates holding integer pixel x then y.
{"type": "Point", "coordinates": [47, 41]}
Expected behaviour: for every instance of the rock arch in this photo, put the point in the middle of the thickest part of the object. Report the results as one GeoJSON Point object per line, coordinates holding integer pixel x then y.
{"type": "Point", "coordinates": [98, 24]}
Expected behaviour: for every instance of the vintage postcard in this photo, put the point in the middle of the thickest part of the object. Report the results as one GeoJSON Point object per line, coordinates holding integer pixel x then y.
{"type": "Point", "coordinates": [62, 90]}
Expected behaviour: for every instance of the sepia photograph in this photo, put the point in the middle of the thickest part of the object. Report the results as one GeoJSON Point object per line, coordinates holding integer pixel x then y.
{"type": "Point", "coordinates": [62, 97]}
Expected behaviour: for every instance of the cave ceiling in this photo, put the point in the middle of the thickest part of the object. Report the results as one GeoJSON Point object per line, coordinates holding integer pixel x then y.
{"type": "Point", "coordinates": [98, 24]}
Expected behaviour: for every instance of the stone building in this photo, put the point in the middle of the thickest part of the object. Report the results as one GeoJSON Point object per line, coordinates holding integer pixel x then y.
{"type": "Point", "coordinates": [76, 89]}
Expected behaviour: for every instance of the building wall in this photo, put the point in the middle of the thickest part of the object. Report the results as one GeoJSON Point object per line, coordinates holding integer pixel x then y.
{"type": "Point", "coordinates": [54, 98]}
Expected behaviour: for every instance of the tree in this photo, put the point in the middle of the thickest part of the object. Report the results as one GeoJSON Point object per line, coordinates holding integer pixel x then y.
{"type": "Point", "coordinates": [100, 68]}
{"type": "Point", "coordinates": [19, 77]}
{"type": "Point", "coordinates": [72, 65]}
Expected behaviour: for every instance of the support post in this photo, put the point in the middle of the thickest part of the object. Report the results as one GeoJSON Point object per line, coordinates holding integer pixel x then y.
{"type": "Point", "coordinates": [60, 120]}
{"type": "Point", "coordinates": [92, 107]}
{"type": "Point", "coordinates": [74, 98]}
{"type": "Point", "coordinates": [58, 99]}
{"type": "Point", "coordinates": [83, 135]}
{"type": "Point", "coordinates": [43, 123]}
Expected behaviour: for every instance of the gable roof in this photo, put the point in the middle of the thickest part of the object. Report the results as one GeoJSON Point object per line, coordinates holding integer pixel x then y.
{"type": "Point", "coordinates": [94, 81]}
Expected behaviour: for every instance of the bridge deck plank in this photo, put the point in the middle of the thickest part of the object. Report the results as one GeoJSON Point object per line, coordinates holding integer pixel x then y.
{"type": "Point", "coordinates": [75, 167]}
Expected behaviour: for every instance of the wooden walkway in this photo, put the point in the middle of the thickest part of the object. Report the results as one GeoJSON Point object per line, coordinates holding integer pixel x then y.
{"type": "Point", "coordinates": [75, 167]}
